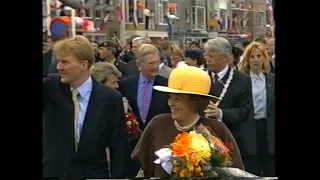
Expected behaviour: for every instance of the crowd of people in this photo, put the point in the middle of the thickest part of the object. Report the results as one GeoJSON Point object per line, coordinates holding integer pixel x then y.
{"type": "Point", "coordinates": [90, 87]}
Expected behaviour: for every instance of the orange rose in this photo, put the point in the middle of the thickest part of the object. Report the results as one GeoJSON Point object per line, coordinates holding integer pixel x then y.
{"type": "Point", "coordinates": [217, 142]}
{"type": "Point", "coordinates": [181, 145]}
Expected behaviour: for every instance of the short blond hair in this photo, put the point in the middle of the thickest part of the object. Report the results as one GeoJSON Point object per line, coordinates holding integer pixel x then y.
{"type": "Point", "coordinates": [100, 71]}
{"type": "Point", "coordinates": [145, 50]}
{"type": "Point", "coordinates": [79, 46]}
{"type": "Point", "coordinates": [244, 65]}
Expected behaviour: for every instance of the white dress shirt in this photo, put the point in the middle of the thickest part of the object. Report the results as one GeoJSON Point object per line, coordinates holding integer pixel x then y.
{"type": "Point", "coordinates": [84, 95]}
{"type": "Point", "coordinates": [259, 95]}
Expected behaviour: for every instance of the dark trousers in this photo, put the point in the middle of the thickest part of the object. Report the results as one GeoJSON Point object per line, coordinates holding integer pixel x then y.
{"type": "Point", "coordinates": [131, 167]}
{"type": "Point", "coordinates": [261, 164]}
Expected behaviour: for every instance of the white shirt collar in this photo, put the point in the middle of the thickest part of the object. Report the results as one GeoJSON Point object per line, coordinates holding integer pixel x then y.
{"type": "Point", "coordinates": [202, 67]}
{"type": "Point", "coordinates": [161, 65]}
{"type": "Point", "coordinates": [222, 73]}
{"type": "Point", "coordinates": [85, 88]}
{"type": "Point", "coordinates": [255, 76]}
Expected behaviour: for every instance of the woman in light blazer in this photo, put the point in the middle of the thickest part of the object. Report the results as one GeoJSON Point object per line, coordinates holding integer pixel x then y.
{"type": "Point", "coordinates": [260, 129]}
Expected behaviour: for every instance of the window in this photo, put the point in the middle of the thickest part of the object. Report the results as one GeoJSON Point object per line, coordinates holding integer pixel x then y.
{"type": "Point", "coordinates": [162, 7]}
{"type": "Point", "coordinates": [102, 12]}
{"type": "Point", "coordinates": [262, 18]}
{"type": "Point", "coordinates": [198, 18]}
{"type": "Point", "coordinates": [187, 15]}
{"type": "Point", "coordinates": [129, 12]}
{"type": "Point", "coordinates": [112, 15]}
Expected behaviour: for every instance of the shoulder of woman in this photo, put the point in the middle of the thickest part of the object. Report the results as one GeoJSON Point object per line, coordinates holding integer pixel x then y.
{"type": "Point", "coordinates": [160, 119]}
{"type": "Point", "coordinates": [272, 75]}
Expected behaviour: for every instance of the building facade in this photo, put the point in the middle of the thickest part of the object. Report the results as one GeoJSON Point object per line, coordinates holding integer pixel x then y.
{"type": "Point", "coordinates": [251, 16]}
{"type": "Point", "coordinates": [196, 19]}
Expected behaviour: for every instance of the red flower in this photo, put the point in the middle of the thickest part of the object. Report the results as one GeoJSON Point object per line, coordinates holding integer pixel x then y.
{"type": "Point", "coordinates": [132, 126]}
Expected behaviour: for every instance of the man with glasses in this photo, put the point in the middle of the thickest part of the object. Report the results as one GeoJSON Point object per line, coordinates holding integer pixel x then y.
{"type": "Point", "coordinates": [138, 89]}
{"type": "Point", "coordinates": [107, 51]}
{"type": "Point", "coordinates": [234, 88]}
{"type": "Point", "coordinates": [145, 102]}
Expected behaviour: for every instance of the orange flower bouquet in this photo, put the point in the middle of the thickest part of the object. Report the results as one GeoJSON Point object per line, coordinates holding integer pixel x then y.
{"type": "Point", "coordinates": [194, 154]}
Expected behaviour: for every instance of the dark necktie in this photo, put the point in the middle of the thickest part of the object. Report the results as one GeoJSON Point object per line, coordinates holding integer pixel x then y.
{"type": "Point", "coordinates": [217, 84]}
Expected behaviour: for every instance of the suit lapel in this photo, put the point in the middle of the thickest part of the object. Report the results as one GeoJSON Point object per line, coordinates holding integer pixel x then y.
{"type": "Point", "coordinates": [66, 91]}
{"type": "Point", "coordinates": [155, 96]}
{"type": "Point", "coordinates": [269, 88]}
{"type": "Point", "coordinates": [68, 114]}
{"type": "Point", "coordinates": [135, 85]}
{"type": "Point", "coordinates": [94, 110]}
{"type": "Point", "coordinates": [226, 76]}
{"type": "Point", "coordinates": [134, 95]}
{"type": "Point", "coordinates": [215, 90]}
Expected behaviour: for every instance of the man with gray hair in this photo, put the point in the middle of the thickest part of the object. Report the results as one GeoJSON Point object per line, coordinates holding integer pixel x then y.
{"type": "Point", "coordinates": [136, 44]}
{"type": "Point", "coordinates": [138, 41]}
{"type": "Point", "coordinates": [138, 89]}
{"type": "Point", "coordinates": [233, 87]}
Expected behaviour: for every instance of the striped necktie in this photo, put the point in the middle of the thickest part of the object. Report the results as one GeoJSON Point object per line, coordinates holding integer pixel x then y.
{"type": "Point", "coordinates": [75, 95]}
{"type": "Point", "coordinates": [146, 99]}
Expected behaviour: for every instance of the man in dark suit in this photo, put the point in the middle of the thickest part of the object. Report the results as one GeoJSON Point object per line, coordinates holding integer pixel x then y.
{"type": "Point", "coordinates": [234, 87]}
{"type": "Point", "coordinates": [107, 51]}
{"type": "Point", "coordinates": [81, 118]}
{"type": "Point", "coordinates": [145, 102]}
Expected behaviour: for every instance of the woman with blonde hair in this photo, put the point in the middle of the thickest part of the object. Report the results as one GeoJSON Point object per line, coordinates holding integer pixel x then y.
{"type": "Point", "coordinates": [260, 128]}
{"type": "Point", "coordinates": [188, 88]}
{"type": "Point", "coordinates": [176, 58]}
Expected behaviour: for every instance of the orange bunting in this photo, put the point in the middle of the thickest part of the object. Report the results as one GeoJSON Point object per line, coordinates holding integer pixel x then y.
{"type": "Point", "coordinates": [172, 6]}
{"type": "Point", "coordinates": [141, 5]}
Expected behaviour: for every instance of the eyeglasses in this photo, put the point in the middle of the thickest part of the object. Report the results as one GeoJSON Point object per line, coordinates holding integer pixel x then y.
{"type": "Point", "coordinates": [211, 55]}
{"type": "Point", "coordinates": [157, 63]}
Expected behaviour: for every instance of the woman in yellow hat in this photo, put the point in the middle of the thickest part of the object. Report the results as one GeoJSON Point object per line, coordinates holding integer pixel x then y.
{"type": "Point", "coordinates": [189, 96]}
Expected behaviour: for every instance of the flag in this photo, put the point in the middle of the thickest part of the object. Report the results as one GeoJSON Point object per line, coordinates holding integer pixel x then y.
{"type": "Point", "coordinates": [135, 14]}
{"type": "Point", "coordinates": [103, 25]}
{"type": "Point", "coordinates": [120, 15]}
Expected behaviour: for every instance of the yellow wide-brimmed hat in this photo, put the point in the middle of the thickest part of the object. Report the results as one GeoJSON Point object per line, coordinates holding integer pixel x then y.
{"type": "Point", "coordinates": [188, 80]}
